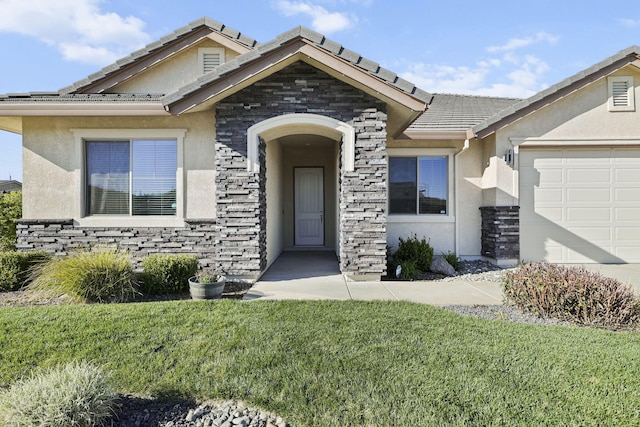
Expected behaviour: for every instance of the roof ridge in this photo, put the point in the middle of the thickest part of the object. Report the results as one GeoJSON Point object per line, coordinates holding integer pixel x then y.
{"type": "Point", "coordinates": [214, 25]}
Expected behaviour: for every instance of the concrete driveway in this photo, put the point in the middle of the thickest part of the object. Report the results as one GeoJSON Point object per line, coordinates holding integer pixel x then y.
{"type": "Point", "coordinates": [627, 274]}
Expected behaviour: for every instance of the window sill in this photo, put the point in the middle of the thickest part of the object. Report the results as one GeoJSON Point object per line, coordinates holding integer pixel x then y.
{"type": "Point", "coordinates": [399, 218]}
{"type": "Point", "coordinates": [130, 221]}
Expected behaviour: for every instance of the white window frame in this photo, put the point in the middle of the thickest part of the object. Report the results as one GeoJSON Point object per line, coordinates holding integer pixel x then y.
{"type": "Point", "coordinates": [631, 105]}
{"type": "Point", "coordinates": [209, 50]}
{"type": "Point", "coordinates": [418, 218]}
{"type": "Point", "coordinates": [84, 220]}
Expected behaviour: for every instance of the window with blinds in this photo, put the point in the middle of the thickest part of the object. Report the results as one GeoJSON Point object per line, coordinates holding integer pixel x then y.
{"type": "Point", "coordinates": [135, 177]}
{"type": "Point", "coordinates": [210, 58]}
{"type": "Point", "coordinates": [621, 93]}
{"type": "Point", "coordinates": [418, 185]}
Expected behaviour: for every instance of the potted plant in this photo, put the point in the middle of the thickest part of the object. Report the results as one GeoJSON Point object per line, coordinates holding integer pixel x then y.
{"type": "Point", "coordinates": [206, 286]}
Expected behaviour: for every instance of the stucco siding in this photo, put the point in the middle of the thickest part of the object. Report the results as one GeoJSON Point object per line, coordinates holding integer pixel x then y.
{"type": "Point", "coordinates": [171, 74]}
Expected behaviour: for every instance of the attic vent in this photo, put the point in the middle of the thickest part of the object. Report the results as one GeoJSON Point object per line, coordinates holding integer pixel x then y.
{"type": "Point", "coordinates": [209, 58]}
{"type": "Point", "coordinates": [621, 93]}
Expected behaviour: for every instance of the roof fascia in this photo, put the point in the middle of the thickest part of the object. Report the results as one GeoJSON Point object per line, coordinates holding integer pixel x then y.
{"type": "Point", "coordinates": [229, 44]}
{"type": "Point", "coordinates": [55, 109]}
{"type": "Point", "coordinates": [423, 134]}
{"type": "Point", "coordinates": [541, 99]}
{"type": "Point", "coordinates": [145, 62]}
{"type": "Point", "coordinates": [272, 62]}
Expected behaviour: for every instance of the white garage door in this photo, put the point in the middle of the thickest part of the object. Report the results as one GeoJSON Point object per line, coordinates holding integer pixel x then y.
{"type": "Point", "coordinates": [580, 206]}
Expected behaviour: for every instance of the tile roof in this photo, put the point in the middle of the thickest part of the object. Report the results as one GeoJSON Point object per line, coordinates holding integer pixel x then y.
{"type": "Point", "coordinates": [9, 185]}
{"type": "Point", "coordinates": [317, 40]}
{"type": "Point", "coordinates": [449, 112]}
{"type": "Point", "coordinates": [164, 41]}
{"type": "Point", "coordinates": [552, 93]}
{"type": "Point", "coordinates": [55, 97]}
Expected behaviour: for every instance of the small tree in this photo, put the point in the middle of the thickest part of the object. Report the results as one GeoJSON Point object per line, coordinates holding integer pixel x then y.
{"type": "Point", "coordinates": [10, 210]}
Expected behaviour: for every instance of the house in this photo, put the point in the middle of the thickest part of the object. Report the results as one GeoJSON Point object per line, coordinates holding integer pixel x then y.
{"type": "Point", "coordinates": [7, 186]}
{"type": "Point", "coordinates": [211, 143]}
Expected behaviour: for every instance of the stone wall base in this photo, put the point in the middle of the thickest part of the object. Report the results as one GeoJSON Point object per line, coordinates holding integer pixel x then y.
{"type": "Point", "coordinates": [501, 233]}
{"type": "Point", "coordinates": [59, 237]}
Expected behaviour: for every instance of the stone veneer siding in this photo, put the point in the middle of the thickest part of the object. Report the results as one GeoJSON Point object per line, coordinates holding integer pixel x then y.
{"type": "Point", "coordinates": [59, 237]}
{"type": "Point", "coordinates": [240, 195]}
{"type": "Point", "coordinates": [501, 232]}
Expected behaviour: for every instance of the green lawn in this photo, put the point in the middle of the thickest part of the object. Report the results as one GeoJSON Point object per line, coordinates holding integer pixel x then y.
{"type": "Point", "coordinates": [342, 363]}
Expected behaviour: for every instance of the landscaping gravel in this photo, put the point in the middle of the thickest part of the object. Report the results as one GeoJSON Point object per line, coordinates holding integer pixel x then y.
{"type": "Point", "coordinates": [140, 412]}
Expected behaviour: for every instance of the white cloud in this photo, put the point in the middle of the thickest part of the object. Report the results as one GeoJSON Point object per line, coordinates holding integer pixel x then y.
{"type": "Point", "coordinates": [507, 73]}
{"type": "Point", "coordinates": [629, 22]}
{"type": "Point", "coordinates": [321, 19]}
{"type": "Point", "coordinates": [79, 29]}
{"type": "Point", "coordinates": [518, 43]}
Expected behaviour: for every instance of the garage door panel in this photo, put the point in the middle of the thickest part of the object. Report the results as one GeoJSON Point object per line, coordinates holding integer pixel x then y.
{"type": "Point", "coordinates": [546, 195]}
{"type": "Point", "coordinates": [627, 234]}
{"type": "Point", "coordinates": [627, 214]}
{"type": "Point", "coordinates": [589, 214]}
{"type": "Point", "coordinates": [628, 253]}
{"type": "Point", "coordinates": [550, 214]}
{"type": "Point", "coordinates": [627, 194]}
{"type": "Point", "coordinates": [602, 234]}
{"type": "Point", "coordinates": [586, 158]}
{"type": "Point", "coordinates": [593, 195]}
{"type": "Point", "coordinates": [580, 205]}
{"type": "Point", "coordinates": [549, 177]}
{"type": "Point", "coordinates": [602, 255]}
{"type": "Point", "coordinates": [627, 175]}
{"type": "Point", "coordinates": [588, 176]}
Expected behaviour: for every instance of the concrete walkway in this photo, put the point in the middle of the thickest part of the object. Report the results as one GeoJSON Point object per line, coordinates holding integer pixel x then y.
{"type": "Point", "coordinates": [314, 275]}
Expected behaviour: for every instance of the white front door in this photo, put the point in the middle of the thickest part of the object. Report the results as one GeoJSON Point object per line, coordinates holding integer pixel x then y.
{"type": "Point", "coordinates": [309, 206]}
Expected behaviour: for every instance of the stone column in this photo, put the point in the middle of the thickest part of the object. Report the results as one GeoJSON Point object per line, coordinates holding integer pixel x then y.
{"type": "Point", "coordinates": [363, 201]}
{"type": "Point", "coordinates": [501, 233]}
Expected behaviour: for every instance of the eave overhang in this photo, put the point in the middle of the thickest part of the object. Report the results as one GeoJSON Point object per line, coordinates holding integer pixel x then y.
{"type": "Point", "coordinates": [433, 135]}
{"type": "Point", "coordinates": [53, 109]}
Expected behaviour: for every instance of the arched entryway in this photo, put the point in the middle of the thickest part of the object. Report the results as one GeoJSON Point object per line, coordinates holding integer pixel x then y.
{"type": "Point", "coordinates": [303, 156]}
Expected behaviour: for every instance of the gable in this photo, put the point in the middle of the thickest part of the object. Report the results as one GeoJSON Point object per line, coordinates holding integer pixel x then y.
{"type": "Point", "coordinates": [558, 92]}
{"type": "Point", "coordinates": [584, 114]}
{"type": "Point", "coordinates": [405, 102]}
{"type": "Point", "coordinates": [155, 53]}
{"type": "Point", "coordinates": [174, 72]}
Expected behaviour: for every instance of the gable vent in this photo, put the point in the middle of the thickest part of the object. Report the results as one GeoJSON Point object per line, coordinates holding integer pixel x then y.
{"type": "Point", "coordinates": [209, 58]}
{"type": "Point", "coordinates": [210, 61]}
{"type": "Point", "coordinates": [621, 93]}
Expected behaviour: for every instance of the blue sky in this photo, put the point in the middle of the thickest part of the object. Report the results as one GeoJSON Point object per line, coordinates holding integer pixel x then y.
{"type": "Point", "coordinates": [493, 47]}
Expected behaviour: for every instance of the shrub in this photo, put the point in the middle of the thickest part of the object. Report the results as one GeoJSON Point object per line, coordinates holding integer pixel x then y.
{"type": "Point", "coordinates": [77, 394]}
{"type": "Point", "coordinates": [168, 274]}
{"type": "Point", "coordinates": [15, 268]}
{"type": "Point", "coordinates": [572, 294]}
{"type": "Point", "coordinates": [10, 210]}
{"type": "Point", "coordinates": [409, 271]}
{"type": "Point", "coordinates": [99, 276]}
{"type": "Point", "coordinates": [452, 259]}
{"type": "Point", "coordinates": [415, 250]}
